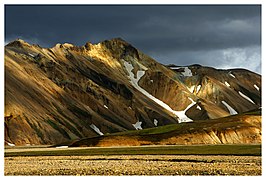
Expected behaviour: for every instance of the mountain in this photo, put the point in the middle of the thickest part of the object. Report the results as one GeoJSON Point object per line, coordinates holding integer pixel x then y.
{"type": "Point", "coordinates": [71, 92]}
{"type": "Point", "coordinates": [234, 90]}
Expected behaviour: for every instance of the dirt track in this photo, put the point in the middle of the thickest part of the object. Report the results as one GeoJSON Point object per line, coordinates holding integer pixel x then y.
{"type": "Point", "coordinates": [133, 165]}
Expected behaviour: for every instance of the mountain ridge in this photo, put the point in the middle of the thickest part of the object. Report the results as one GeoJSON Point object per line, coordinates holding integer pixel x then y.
{"type": "Point", "coordinates": [70, 92]}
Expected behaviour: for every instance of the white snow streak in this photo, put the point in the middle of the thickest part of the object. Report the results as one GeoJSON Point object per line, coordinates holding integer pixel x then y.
{"type": "Point", "coordinates": [181, 114]}
{"type": "Point", "coordinates": [133, 81]}
{"type": "Point", "coordinates": [187, 72]}
{"type": "Point", "coordinates": [198, 107]}
{"type": "Point", "coordinates": [137, 125]}
{"type": "Point", "coordinates": [105, 106]}
{"type": "Point", "coordinates": [255, 86]}
{"type": "Point", "coordinates": [10, 144]}
{"type": "Point", "coordinates": [31, 55]}
{"type": "Point", "coordinates": [139, 75]}
{"type": "Point", "coordinates": [244, 96]}
{"type": "Point", "coordinates": [227, 84]}
{"type": "Point", "coordinates": [155, 122]}
{"type": "Point", "coordinates": [96, 129]}
{"type": "Point", "coordinates": [198, 88]}
{"type": "Point", "coordinates": [174, 67]}
{"type": "Point", "coordinates": [191, 89]}
{"type": "Point", "coordinates": [62, 147]}
{"type": "Point", "coordinates": [232, 74]}
{"type": "Point", "coordinates": [230, 109]}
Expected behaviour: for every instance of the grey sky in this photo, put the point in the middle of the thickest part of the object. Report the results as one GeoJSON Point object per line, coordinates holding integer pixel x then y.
{"type": "Point", "coordinates": [220, 36]}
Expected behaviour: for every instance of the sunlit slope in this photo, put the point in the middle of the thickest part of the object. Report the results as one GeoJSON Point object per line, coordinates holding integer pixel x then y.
{"type": "Point", "coordinates": [238, 129]}
{"type": "Point", "coordinates": [70, 92]}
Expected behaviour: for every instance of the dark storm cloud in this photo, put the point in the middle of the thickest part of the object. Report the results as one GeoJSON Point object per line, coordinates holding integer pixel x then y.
{"type": "Point", "coordinates": [168, 33]}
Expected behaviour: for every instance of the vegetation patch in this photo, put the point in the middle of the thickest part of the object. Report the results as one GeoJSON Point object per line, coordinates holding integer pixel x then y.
{"type": "Point", "coordinates": [232, 149]}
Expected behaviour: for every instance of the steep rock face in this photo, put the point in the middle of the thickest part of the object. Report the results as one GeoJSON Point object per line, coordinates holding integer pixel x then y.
{"type": "Point", "coordinates": [67, 92]}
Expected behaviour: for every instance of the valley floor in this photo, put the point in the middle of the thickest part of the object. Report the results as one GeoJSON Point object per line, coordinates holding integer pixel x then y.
{"type": "Point", "coordinates": [134, 164]}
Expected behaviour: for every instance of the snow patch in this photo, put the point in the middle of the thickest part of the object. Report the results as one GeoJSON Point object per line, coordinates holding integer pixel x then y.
{"type": "Point", "coordinates": [155, 122]}
{"type": "Point", "coordinates": [59, 147]}
{"type": "Point", "coordinates": [227, 84]}
{"type": "Point", "coordinates": [198, 107]}
{"type": "Point", "coordinates": [31, 55]}
{"type": "Point", "coordinates": [182, 114]}
{"type": "Point", "coordinates": [244, 96]}
{"type": "Point", "coordinates": [174, 67]}
{"type": "Point", "coordinates": [139, 75]}
{"type": "Point", "coordinates": [187, 72]}
{"type": "Point", "coordinates": [134, 81]}
{"type": "Point", "coordinates": [198, 88]}
{"type": "Point", "coordinates": [105, 106]}
{"type": "Point", "coordinates": [232, 74]}
{"type": "Point", "coordinates": [230, 109]}
{"type": "Point", "coordinates": [137, 125]}
{"type": "Point", "coordinates": [255, 86]}
{"type": "Point", "coordinates": [10, 144]}
{"type": "Point", "coordinates": [96, 129]}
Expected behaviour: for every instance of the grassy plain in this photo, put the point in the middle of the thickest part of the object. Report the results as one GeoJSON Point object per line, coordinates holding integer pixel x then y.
{"type": "Point", "coordinates": [226, 149]}
{"type": "Point", "coordinates": [142, 160]}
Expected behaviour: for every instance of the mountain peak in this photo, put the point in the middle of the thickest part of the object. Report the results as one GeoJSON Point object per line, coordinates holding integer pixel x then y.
{"type": "Point", "coordinates": [18, 43]}
{"type": "Point", "coordinates": [115, 42]}
{"type": "Point", "coordinates": [120, 48]}
{"type": "Point", "coordinates": [118, 40]}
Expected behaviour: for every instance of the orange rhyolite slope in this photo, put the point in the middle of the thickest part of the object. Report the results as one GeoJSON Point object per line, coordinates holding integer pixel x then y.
{"type": "Point", "coordinates": [67, 92]}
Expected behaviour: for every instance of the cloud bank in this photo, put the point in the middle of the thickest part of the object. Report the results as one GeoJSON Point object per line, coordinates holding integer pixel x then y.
{"type": "Point", "coordinates": [222, 36]}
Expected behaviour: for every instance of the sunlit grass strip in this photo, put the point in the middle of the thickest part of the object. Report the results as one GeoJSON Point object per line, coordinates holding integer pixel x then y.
{"type": "Point", "coordinates": [239, 150]}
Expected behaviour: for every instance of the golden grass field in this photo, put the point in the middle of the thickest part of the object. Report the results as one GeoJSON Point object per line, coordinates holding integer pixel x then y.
{"type": "Point", "coordinates": [132, 161]}
{"type": "Point", "coordinates": [133, 165]}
